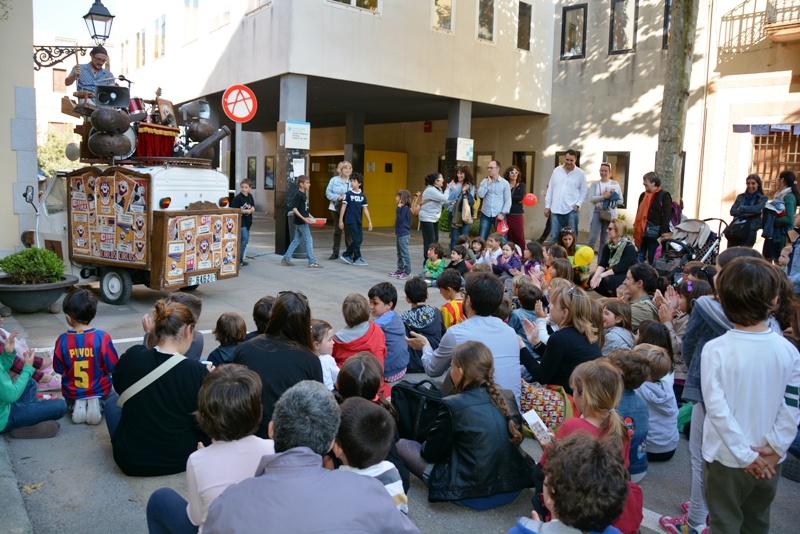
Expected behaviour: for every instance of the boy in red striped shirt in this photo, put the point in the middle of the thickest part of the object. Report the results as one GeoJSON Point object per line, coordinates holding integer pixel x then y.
{"type": "Point", "coordinates": [85, 358]}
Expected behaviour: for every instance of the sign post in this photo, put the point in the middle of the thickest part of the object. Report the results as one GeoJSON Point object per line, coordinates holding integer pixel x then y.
{"type": "Point", "coordinates": [240, 105]}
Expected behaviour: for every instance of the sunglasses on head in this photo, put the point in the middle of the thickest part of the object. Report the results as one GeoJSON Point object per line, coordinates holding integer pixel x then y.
{"type": "Point", "coordinates": [567, 230]}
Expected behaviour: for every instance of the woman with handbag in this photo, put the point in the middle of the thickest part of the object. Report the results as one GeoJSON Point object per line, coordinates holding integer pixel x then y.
{"type": "Point", "coordinates": [433, 198]}
{"type": "Point", "coordinates": [746, 212]}
{"type": "Point", "coordinates": [460, 195]}
{"type": "Point", "coordinates": [515, 217]}
{"type": "Point", "coordinates": [472, 456]}
{"type": "Point", "coordinates": [605, 207]}
{"type": "Point", "coordinates": [788, 193]}
{"type": "Point", "coordinates": [652, 217]}
{"type": "Point", "coordinates": [152, 423]}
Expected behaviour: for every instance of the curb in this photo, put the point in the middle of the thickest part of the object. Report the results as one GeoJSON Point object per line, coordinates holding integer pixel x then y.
{"type": "Point", "coordinates": [13, 514]}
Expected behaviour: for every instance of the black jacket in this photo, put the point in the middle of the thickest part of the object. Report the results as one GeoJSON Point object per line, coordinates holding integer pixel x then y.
{"type": "Point", "coordinates": [471, 452]}
{"type": "Point", "coordinates": [660, 210]}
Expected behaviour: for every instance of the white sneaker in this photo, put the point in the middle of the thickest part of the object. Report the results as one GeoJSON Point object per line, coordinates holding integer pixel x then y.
{"type": "Point", "coordinates": [79, 412]}
{"type": "Point", "coordinates": [93, 415]}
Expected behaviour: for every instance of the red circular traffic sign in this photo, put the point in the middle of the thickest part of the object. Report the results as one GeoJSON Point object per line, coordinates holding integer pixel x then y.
{"type": "Point", "coordinates": [239, 103]}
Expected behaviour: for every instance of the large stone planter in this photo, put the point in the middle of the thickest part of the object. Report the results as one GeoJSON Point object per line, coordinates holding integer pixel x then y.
{"type": "Point", "coordinates": [33, 297]}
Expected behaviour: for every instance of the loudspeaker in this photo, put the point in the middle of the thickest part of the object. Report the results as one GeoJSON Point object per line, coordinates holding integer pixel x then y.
{"type": "Point", "coordinates": [113, 96]}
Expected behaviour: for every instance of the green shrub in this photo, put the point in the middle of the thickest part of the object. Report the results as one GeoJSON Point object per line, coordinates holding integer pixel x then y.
{"type": "Point", "coordinates": [32, 266]}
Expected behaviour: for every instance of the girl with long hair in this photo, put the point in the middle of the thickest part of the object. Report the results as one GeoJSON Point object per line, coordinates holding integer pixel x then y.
{"type": "Point", "coordinates": [462, 186]}
{"type": "Point", "coordinates": [515, 218]}
{"type": "Point", "coordinates": [472, 456]}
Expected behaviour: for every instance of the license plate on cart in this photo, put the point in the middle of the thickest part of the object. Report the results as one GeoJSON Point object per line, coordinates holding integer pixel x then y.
{"type": "Point", "coordinates": [198, 279]}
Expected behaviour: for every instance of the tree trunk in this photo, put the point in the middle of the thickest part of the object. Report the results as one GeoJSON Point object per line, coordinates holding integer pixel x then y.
{"type": "Point", "coordinates": [683, 28]}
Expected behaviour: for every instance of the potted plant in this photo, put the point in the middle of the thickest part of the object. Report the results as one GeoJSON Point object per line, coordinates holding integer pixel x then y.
{"type": "Point", "coordinates": [34, 280]}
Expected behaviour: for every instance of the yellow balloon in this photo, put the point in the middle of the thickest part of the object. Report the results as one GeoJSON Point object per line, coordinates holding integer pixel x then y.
{"type": "Point", "coordinates": [583, 256]}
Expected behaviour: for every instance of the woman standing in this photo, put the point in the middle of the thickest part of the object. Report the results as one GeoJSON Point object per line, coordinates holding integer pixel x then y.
{"type": "Point", "coordinates": [746, 212]}
{"type": "Point", "coordinates": [600, 193]}
{"type": "Point", "coordinates": [516, 217]}
{"type": "Point", "coordinates": [652, 217]}
{"type": "Point", "coordinates": [155, 430]}
{"type": "Point", "coordinates": [472, 456]}
{"type": "Point", "coordinates": [459, 188]}
{"type": "Point", "coordinates": [617, 256]}
{"type": "Point", "coordinates": [433, 198]}
{"type": "Point", "coordinates": [337, 187]}
{"type": "Point", "coordinates": [787, 192]}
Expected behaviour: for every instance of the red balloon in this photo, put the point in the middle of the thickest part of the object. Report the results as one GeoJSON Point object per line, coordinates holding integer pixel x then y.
{"type": "Point", "coordinates": [529, 200]}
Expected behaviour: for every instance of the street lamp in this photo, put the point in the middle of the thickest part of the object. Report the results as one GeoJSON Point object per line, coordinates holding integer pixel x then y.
{"type": "Point", "coordinates": [98, 22]}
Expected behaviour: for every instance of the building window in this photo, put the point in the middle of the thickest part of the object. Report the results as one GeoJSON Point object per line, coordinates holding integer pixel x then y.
{"type": "Point", "coordinates": [773, 154]}
{"type": "Point", "coordinates": [123, 58]}
{"type": "Point", "coordinates": [443, 15]}
{"type": "Point", "coordinates": [667, 21]}
{"type": "Point", "coordinates": [622, 30]}
{"type": "Point", "coordinates": [141, 39]}
{"type": "Point", "coordinates": [486, 20]}
{"type": "Point", "coordinates": [191, 10]}
{"type": "Point", "coordinates": [573, 32]}
{"type": "Point", "coordinates": [159, 27]}
{"type": "Point", "coordinates": [370, 5]}
{"type": "Point", "coordinates": [524, 28]}
{"type": "Point", "coordinates": [59, 85]}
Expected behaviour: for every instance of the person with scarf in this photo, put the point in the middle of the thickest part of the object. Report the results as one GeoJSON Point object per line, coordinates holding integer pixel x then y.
{"type": "Point", "coordinates": [617, 256]}
{"type": "Point", "coordinates": [746, 210]}
{"type": "Point", "coordinates": [655, 208]}
{"type": "Point", "coordinates": [788, 193]}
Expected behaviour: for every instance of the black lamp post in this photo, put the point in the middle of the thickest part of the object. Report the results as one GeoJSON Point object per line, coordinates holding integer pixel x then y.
{"type": "Point", "coordinates": [98, 22]}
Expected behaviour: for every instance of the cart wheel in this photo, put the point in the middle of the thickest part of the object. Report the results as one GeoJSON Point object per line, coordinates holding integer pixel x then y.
{"type": "Point", "coordinates": [190, 288]}
{"type": "Point", "coordinates": [115, 286]}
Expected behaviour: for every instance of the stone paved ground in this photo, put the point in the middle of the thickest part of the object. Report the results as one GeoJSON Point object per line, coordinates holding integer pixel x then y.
{"type": "Point", "coordinates": [70, 484]}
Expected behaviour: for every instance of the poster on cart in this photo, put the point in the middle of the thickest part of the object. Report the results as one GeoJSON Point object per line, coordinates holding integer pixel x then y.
{"type": "Point", "coordinates": [198, 243]}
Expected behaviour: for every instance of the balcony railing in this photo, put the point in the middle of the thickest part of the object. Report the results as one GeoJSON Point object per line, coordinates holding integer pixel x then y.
{"type": "Point", "coordinates": [783, 11]}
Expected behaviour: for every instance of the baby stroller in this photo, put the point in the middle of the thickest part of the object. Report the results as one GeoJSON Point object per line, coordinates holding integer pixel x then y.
{"type": "Point", "coordinates": [692, 240]}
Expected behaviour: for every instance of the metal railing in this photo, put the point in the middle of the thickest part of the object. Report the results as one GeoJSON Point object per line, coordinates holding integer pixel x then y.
{"type": "Point", "coordinates": [783, 11]}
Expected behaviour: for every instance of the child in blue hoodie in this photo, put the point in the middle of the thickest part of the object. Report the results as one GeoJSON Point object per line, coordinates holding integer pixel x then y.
{"type": "Point", "coordinates": [382, 300]}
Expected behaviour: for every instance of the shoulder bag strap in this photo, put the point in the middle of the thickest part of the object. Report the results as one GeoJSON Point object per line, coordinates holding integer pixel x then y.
{"type": "Point", "coordinates": [149, 378]}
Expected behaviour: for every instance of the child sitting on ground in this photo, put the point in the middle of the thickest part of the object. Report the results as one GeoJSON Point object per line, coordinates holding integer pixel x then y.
{"type": "Point", "coordinates": [262, 309]}
{"type": "Point", "coordinates": [528, 295]}
{"type": "Point", "coordinates": [42, 366]}
{"type": "Point", "coordinates": [635, 368]}
{"type": "Point", "coordinates": [463, 241]}
{"type": "Point", "coordinates": [449, 284]}
{"type": "Point", "coordinates": [382, 301]}
{"type": "Point", "coordinates": [435, 264]}
{"type": "Point", "coordinates": [360, 334]}
{"type": "Point", "coordinates": [478, 247]}
{"type": "Point", "coordinates": [229, 332]}
{"type": "Point", "coordinates": [783, 259]}
{"type": "Point", "coordinates": [229, 411]}
{"type": "Point", "coordinates": [361, 377]}
{"type": "Point", "coordinates": [507, 262]}
{"type": "Point", "coordinates": [492, 250]}
{"type": "Point", "coordinates": [585, 488]}
{"type": "Point", "coordinates": [85, 358]}
{"type": "Point", "coordinates": [322, 332]}
{"type": "Point", "coordinates": [422, 319]}
{"type": "Point", "coordinates": [457, 260]}
{"type": "Point", "coordinates": [662, 436]}
{"type": "Point", "coordinates": [365, 437]}
{"type": "Point", "coordinates": [617, 325]}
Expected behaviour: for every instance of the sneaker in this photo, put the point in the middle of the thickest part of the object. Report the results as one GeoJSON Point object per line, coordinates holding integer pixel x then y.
{"type": "Point", "coordinates": [347, 260]}
{"type": "Point", "coordinates": [314, 265]}
{"type": "Point", "coordinates": [334, 256]}
{"type": "Point", "coordinates": [93, 415]}
{"type": "Point", "coordinates": [244, 263]}
{"type": "Point", "coordinates": [679, 525]}
{"type": "Point", "coordinates": [54, 384]}
{"type": "Point", "coordinates": [394, 274]}
{"type": "Point", "coordinates": [43, 430]}
{"type": "Point", "coordinates": [79, 412]}
{"type": "Point", "coordinates": [402, 276]}
{"type": "Point", "coordinates": [286, 262]}
{"type": "Point", "coordinates": [360, 262]}
{"type": "Point", "coordinates": [685, 508]}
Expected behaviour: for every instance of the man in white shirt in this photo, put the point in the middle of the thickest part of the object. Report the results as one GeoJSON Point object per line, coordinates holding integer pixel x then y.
{"type": "Point", "coordinates": [565, 194]}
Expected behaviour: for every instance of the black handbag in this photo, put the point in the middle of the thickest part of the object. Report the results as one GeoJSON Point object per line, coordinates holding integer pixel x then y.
{"type": "Point", "coordinates": [418, 404]}
{"type": "Point", "coordinates": [738, 230]}
{"type": "Point", "coordinates": [652, 230]}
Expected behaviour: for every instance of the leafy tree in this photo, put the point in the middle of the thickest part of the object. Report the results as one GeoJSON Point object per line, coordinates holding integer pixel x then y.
{"type": "Point", "coordinates": [51, 153]}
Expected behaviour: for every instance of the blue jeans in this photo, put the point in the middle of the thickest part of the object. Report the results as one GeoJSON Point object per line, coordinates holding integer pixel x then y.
{"type": "Point", "coordinates": [28, 410]}
{"type": "Point", "coordinates": [559, 221]}
{"type": "Point", "coordinates": [113, 413]}
{"type": "Point", "coordinates": [354, 248]}
{"type": "Point", "coordinates": [301, 232]}
{"type": "Point", "coordinates": [166, 513]}
{"type": "Point", "coordinates": [486, 225]}
{"type": "Point", "coordinates": [403, 256]}
{"type": "Point", "coordinates": [455, 232]}
{"type": "Point", "coordinates": [245, 241]}
{"type": "Point", "coordinates": [648, 250]}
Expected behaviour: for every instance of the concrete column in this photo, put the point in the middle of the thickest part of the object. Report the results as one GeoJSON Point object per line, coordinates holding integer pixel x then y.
{"type": "Point", "coordinates": [459, 121]}
{"type": "Point", "coordinates": [354, 141]}
{"type": "Point", "coordinates": [292, 107]}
